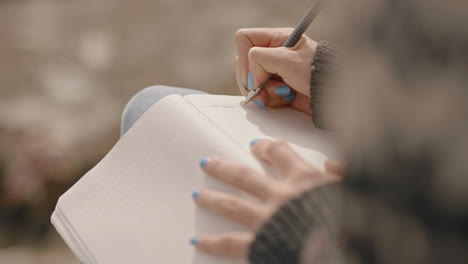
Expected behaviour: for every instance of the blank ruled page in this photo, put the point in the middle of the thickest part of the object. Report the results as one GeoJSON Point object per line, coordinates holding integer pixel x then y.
{"type": "Point", "coordinates": [135, 206]}
{"type": "Point", "coordinates": [245, 123]}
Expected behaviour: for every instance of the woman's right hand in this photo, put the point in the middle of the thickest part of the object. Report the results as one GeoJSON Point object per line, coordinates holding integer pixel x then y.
{"type": "Point", "coordinates": [260, 52]}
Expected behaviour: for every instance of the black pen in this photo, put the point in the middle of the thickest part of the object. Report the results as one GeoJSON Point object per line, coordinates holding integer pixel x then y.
{"type": "Point", "coordinates": [295, 36]}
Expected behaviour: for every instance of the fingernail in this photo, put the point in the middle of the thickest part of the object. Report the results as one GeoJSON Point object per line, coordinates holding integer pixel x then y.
{"type": "Point", "coordinates": [204, 161]}
{"type": "Point", "coordinates": [195, 194]}
{"type": "Point", "coordinates": [250, 81]}
{"type": "Point", "coordinates": [254, 142]}
{"type": "Point", "coordinates": [259, 103]}
{"type": "Point", "coordinates": [290, 97]}
{"type": "Point", "coordinates": [194, 241]}
{"type": "Point", "coordinates": [283, 90]}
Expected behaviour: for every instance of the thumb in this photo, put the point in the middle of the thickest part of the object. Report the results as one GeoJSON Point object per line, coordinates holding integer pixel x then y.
{"type": "Point", "coordinates": [263, 61]}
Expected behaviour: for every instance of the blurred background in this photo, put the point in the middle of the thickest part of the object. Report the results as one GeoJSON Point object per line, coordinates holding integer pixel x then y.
{"type": "Point", "coordinates": [67, 69]}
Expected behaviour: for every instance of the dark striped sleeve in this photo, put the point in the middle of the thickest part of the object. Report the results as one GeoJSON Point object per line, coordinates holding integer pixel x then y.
{"type": "Point", "coordinates": [326, 61]}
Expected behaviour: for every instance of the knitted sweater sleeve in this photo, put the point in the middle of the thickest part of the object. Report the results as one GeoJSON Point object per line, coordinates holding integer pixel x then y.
{"type": "Point", "coordinates": [325, 62]}
{"type": "Point", "coordinates": [284, 237]}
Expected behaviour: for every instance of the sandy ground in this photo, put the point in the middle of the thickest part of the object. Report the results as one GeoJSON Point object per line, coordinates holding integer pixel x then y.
{"type": "Point", "coordinates": [68, 68]}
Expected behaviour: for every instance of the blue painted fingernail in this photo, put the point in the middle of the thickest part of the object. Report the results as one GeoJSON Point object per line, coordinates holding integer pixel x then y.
{"type": "Point", "coordinates": [195, 194]}
{"type": "Point", "coordinates": [204, 161]}
{"type": "Point", "coordinates": [259, 103]}
{"type": "Point", "coordinates": [194, 241]}
{"type": "Point", "coordinates": [250, 81]}
{"type": "Point", "coordinates": [290, 97]}
{"type": "Point", "coordinates": [254, 142]}
{"type": "Point", "coordinates": [283, 90]}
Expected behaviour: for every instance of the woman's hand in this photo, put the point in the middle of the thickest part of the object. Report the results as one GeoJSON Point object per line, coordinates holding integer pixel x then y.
{"type": "Point", "coordinates": [260, 52]}
{"type": "Point", "coordinates": [298, 176]}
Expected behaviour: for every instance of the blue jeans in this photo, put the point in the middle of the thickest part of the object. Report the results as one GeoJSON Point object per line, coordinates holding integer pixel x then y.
{"type": "Point", "coordinates": [146, 98]}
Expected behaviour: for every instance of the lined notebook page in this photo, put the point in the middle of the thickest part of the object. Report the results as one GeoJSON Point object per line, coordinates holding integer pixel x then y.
{"type": "Point", "coordinates": [135, 206]}
{"type": "Point", "coordinates": [245, 123]}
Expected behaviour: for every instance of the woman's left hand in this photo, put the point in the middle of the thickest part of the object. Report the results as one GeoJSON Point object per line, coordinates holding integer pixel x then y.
{"type": "Point", "coordinates": [298, 176]}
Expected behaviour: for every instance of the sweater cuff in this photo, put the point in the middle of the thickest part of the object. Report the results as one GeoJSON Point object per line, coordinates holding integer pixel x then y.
{"type": "Point", "coordinates": [326, 62]}
{"type": "Point", "coordinates": [283, 238]}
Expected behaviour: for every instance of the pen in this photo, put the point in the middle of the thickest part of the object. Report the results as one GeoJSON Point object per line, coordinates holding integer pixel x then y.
{"type": "Point", "coordinates": [295, 36]}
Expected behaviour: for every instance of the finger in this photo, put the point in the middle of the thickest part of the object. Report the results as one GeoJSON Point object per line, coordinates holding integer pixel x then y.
{"type": "Point", "coordinates": [257, 75]}
{"type": "Point", "coordinates": [242, 86]}
{"type": "Point", "coordinates": [282, 157]}
{"type": "Point", "coordinates": [261, 37]}
{"type": "Point", "coordinates": [277, 103]}
{"type": "Point", "coordinates": [302, 103]}
{"type": "Point", "coordinates": [266, 61]}
{"type": "Point", "coordinates": [234, 245]}
{"type": "Point", "coordinates": [275, 92]}
{"type": "Point", "coordinates": [277, 89]}
{"type": "Point", "coordinates": [279, 94]}
{"type": "Point", "coordinates": [334, 167]}
{"type": "Point", "coordinates": [262, 99]}
{"type": "Point", "coordinates": [239, 176]}
{"type": "Point", "coordinates": [281, 101]}
{"type": "Point", "coordinates": [241, 211]}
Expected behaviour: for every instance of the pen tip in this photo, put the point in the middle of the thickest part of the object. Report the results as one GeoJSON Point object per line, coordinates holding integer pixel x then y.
{"type": "Point", "coordinates": [250, 96]}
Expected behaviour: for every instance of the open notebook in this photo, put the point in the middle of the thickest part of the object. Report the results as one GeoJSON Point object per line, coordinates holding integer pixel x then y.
{"type": "Point", "coordinates": [135, 206]}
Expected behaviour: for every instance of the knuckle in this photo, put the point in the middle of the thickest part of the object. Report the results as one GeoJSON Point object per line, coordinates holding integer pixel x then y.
{"type": "Point", "coordinates": [305, 172]}
{"type": "Point", "coordinates": [307, 176]}
{"type": "Point", "coordinates": [243, 175]}
{"type": "Point", "coordinates": [253, 53]}
{"type": "Point", "coordinates": [284, 33]}
{"type": "Point", "coordinates": [269, 146]}
{"type": "Point", "coordinates": [283, 193]}
{"type": "Point", "coordinates": [276, 147]}
{"type": "Point", "coordinates": [241, 33]}
{"type": "Point", "coordinates": [227, 243]}
{"type": "Point", "coordinates": [232, 208]}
